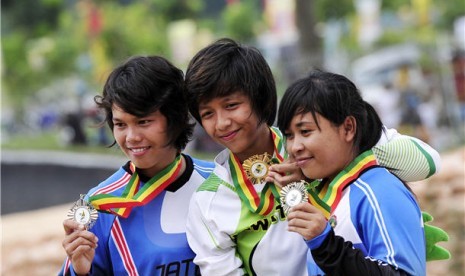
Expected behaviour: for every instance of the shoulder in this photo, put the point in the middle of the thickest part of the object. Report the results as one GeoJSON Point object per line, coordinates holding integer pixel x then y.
{"type": "Point", "coordinates": [112, 185]}
{"type": "Point", "coordinates": [379, 186]}
{"type": "Point", "coordinates": [203, 167]}
{"type": "Point", "coordinates": [378, 179]}
{"type": "Point", "coordinates": [217, 201]}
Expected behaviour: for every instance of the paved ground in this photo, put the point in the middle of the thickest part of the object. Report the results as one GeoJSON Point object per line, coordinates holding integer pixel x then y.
{"type": "Point", "coordinates": [33, 180]}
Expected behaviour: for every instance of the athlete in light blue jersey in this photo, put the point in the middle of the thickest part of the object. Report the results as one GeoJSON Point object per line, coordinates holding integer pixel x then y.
{"type": "Point", "coordinates": [143, 206]}
{"type": "Point", "coordinates": [362, 219]}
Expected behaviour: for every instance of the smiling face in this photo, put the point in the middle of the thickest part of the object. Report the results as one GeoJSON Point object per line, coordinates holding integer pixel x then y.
{"type": "Point", "coordinates": [143, 140]}
{"type": "Point", "coordinates": [320, 152]}
{"type": "Point", "coordinates": [231, 122]}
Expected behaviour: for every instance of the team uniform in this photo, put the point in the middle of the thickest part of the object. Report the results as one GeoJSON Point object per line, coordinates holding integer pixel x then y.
{"type": "Point", "coordinates": [228, 239]}
{"type": "Point", "coordinates": [152, 239]}
{"type": "Point", "coordinates": [376, 224]}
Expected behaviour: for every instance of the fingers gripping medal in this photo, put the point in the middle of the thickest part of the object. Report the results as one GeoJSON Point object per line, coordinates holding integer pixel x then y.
{"type": "Point", "coordinates": [83, 213]}
{"type": "Point", "coordinates": [293, 194]}
{"type": "Point", "coordinates": [256, 167]}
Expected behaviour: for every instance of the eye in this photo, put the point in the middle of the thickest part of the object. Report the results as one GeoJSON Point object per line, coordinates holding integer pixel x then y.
{"type": "Point", "coordinates": [144, 122]}
{"type": "Point", "coordinates": [231, 105]}
{"type": "Point", "coordinates": [288, 135]}
{"type": "Point", "coordinates": [118, 124]}
{"type": "Point", "coordinates": [205, 114]}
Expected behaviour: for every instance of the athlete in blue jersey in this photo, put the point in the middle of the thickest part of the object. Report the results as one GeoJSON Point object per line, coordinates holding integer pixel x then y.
{"type": "Point", "coordinates": [143, 206]}
{"type": "Point", "coordinates": [362, 220]}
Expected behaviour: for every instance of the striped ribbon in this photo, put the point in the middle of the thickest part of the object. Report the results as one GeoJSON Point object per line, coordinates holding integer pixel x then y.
{"type": "Point", "coordinates": [327, 197]}
{"type": "Point", "coordinates": [262, 203]}
{"type": "Point", "coordinates": [132, 195]}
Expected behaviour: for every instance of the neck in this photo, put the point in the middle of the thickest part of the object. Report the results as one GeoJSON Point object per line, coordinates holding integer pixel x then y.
{"type": "Point", "coordinates": [262, 145]}
{"type": "Point", "coordinates": [151, 172]}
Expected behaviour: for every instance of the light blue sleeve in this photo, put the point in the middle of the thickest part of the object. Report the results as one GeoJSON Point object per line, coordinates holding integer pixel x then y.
{"type": "Point", "coordinates": [388, 220]}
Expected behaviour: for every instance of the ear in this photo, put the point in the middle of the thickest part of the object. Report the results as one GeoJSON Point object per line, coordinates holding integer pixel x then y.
{"type": "Point", "coordinates": [349, 127]}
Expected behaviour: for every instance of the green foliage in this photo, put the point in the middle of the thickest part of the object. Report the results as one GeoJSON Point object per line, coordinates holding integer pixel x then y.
{"type": "Point", "coordinates": [327, 10]}
{"type": "Point", "coordinates": [138, 30]}
{"type": "Point", "coordinates": [240, 18]}
{"type": "Point", "coordinates": [178, 9]}
{"type": "Point", "coordinates": [448, 11]}
{"type": "Point", "coordinates": [34, 17]}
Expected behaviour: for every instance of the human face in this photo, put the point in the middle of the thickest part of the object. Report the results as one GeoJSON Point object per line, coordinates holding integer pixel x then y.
{"type": "Point", "coordinates": [319, 152]}
{"type": "Point", "coordinates": [143, 140]}
{"type": "Point", "coordinates": [231, 122]}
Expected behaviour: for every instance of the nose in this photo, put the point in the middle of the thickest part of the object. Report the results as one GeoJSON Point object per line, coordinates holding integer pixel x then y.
{"type": "Point", "coordinates": [133, 135]}
{"type": "Point", "coordinates": [222, 121]}
{"type": "Point", "coordinates": [295, 146]}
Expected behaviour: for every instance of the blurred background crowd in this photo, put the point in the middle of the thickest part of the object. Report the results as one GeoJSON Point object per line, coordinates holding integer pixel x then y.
{"type": "Point", "coordinates": [406, 57]}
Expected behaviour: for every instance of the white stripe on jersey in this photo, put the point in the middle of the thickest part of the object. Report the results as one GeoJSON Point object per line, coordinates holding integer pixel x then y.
{"type": "Point", "coordinates": [123, 249]}
{"type": "Point", "coordinates": [379, 219]}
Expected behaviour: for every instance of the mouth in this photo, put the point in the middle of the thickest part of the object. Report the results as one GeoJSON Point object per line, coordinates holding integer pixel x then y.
{"type": "Point", "coordinates": [301, 162]}
{"type": "Point", "coordinates": [228, 136]}
{"type": "Point", "coordinates": [138, 150]}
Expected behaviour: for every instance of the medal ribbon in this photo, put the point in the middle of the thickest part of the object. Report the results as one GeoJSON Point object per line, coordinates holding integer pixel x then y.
{"type": "Point", "coordinates": [132, 197]}
{"type": "Point", "coordinates": [260, 204]}
{"type": "Point", "coordinates": [326, 198]}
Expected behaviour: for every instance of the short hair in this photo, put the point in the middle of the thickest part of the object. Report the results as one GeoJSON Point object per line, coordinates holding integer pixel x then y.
{"type": "Point", "coordinates": [143, 85]}
{"type": "Point", "coordinates": [225, 67]}
{"type": "Point", "coordinates": [334, 97]}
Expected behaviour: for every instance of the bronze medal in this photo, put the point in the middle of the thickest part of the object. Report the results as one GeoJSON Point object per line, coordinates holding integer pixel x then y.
{"type": "Point", "coordinates": [293, 194]}
{"type": "Point", "coordinates": [83, 213]}
{"type": "Point", "coordinates": [256, 167]}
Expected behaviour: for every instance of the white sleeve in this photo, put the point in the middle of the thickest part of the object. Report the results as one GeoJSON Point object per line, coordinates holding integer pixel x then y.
{"type": "Point", "coordinates": [407, 157]}
{"type": "Point", "coordinates": [215, 250]}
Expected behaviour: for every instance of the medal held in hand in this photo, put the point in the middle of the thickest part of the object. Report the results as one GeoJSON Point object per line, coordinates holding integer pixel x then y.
{"type": "Point", "coordinates": [256, 167]}
{"type": "Point", "coordinates": [293, 194]}
{"type": "Point", "coordinates": [83, 213]}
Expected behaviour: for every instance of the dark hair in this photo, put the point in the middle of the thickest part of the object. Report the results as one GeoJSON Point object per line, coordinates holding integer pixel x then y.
{"type": "Point", "coordinates": [334, 97]}
{"type": "Point", "coordinates": [143, 85]}
{"type": "Point", "coordinates": [225, 67]}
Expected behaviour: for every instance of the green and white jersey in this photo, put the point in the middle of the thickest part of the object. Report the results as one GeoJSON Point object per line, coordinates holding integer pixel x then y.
{"type": "Point", "coordinates": [229, 239]}
{"type": "Point", "coordinates": [407, 157]}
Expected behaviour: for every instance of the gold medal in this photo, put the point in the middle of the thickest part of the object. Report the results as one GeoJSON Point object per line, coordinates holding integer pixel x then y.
{"type": "Point", "coordinates": [293, 194]}
{"type": "Point", "coordinates": [256, 167]}
{"type": "Point", "coordinates": [83, 213]}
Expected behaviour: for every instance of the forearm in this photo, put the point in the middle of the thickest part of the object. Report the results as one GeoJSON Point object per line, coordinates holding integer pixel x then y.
{"type": "Point", "coordinates": [338, 257]}
{"type": "Point", "coordinates": [407, 157]}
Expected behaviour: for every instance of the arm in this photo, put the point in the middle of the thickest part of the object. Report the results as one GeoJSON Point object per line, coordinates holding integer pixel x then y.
{"type": "Point", "coordinates": [338, 257]}
{"type": "Point", "coordinates": [214, 249]}
{"type": "Point", "coordinates": [332, 253]}
{"type": "Point", "coordinates": [388, 222]}
{"type": "Point", "coordinates": [407, 157]}
{"type": "Point", "coordinates": [79, 245]}
{"type": "Point", "coordinates": [95, 259]}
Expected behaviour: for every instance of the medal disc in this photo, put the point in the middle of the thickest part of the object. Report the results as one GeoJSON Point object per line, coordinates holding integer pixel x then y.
{"type": "Point", "coordinates": [256, 167]}
{"type": "Point", "coordinates": [293, 194]}
{"type": "Point", "coordinates": [83, 213]}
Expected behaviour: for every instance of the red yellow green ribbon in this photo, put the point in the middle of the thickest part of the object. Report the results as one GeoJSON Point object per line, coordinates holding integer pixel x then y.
{"type": "Point", "coordinates": [327, 197]}
{"type": "Point", "coordinates": [262, 203]}
{"type": "Point", "coordinates": [132, 195]}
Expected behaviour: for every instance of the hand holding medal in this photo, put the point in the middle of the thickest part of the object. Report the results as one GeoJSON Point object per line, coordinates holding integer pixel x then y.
{"type": "Point", "coordinates": [83, 213]}
{"type": "Point", "coordinates": [293, 194]}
